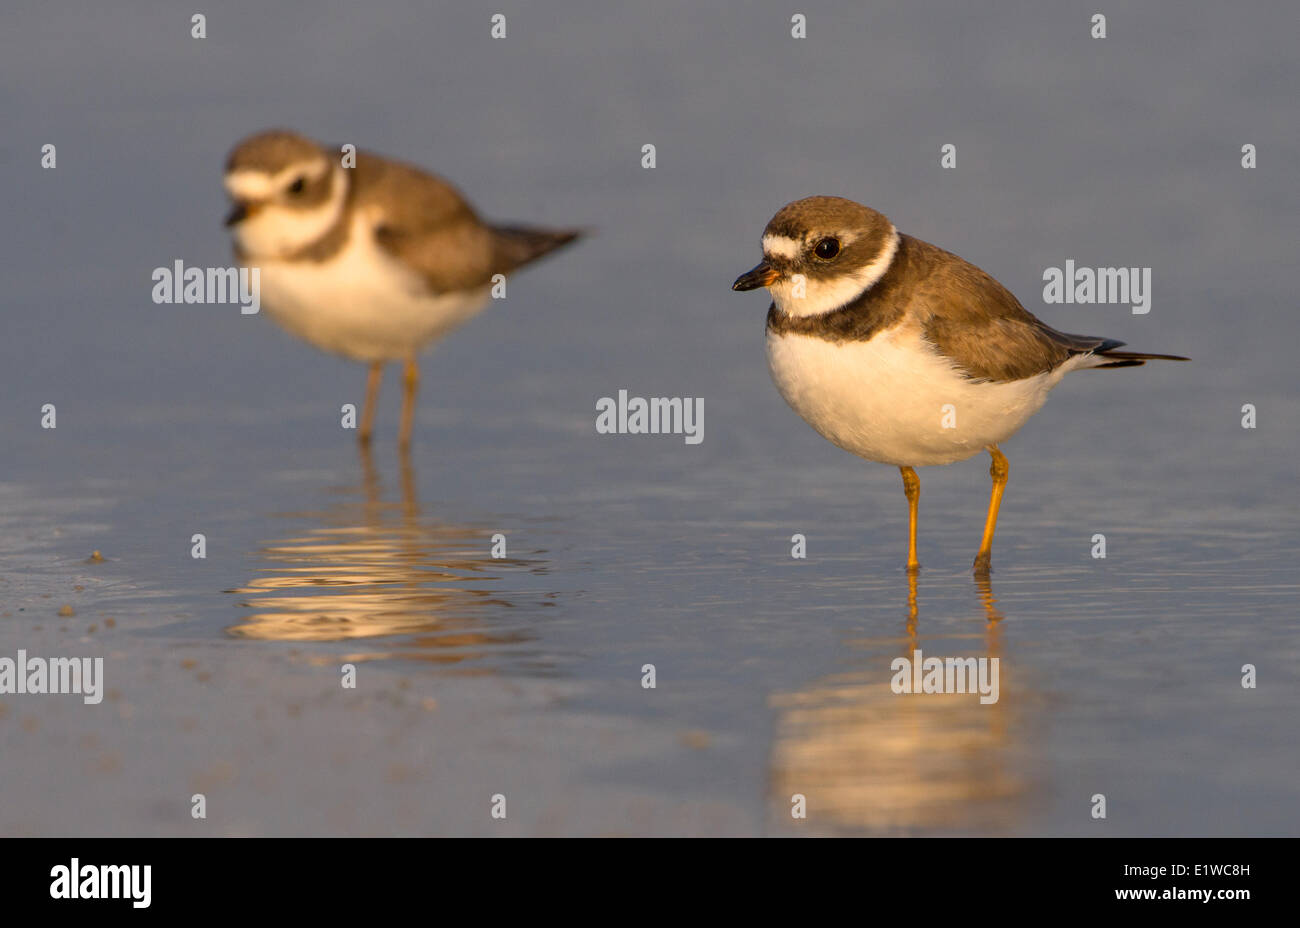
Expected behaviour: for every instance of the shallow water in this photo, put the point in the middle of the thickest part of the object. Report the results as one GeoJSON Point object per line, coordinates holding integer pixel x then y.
{"type": "Point", "coordinates": [522, 675]}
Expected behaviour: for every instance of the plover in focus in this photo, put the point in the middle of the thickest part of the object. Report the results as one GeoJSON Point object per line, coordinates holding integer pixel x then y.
{"type": "Point", "coordinates": [372, 262]}
{"type": "Point", "coordinates": [905, 354]}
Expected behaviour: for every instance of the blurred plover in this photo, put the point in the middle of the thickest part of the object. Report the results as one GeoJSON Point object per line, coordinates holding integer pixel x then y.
{"type": "Point", "coordinates": [902, 353]}
{"type": "Point", "coordinates": [373, 261]}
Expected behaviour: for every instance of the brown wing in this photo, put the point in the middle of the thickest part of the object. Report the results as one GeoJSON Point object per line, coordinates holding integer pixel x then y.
{"type": "Point", "coordinates": [429, 226]}
{"type": "Point", "coordinates": [515, 246]}
{"type": "Point", "coordinates": [424, 222]}
{"type": "Point", "coordinates": [977, 323]}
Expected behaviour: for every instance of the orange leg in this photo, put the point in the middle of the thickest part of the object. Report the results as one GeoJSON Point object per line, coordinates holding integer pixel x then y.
{"type": "Point", "coordinates": [912, 487]}
{"type": "Point", "coordinates": [372, 396]}
{"type": "Point", "coordinates": [410, 384]}
{"type": "Point", "coordinates": [998, 470]}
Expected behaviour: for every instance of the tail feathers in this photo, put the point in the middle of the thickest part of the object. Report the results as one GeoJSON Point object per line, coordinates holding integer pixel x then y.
{"type": "Point", "coordinates": [516, 246]}
{"type": "Point", "coordinates": [1100, 352]}
{"type": "Point", "coordinates": [1102, 366]}
{"type": "Point", "coordinates": [1109, 357]}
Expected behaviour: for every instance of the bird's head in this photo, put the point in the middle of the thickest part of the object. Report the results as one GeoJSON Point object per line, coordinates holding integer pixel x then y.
{"type": "Point", "coordinates": [820, 253]}
{"type": "Point", "coordinates": [287, 190]}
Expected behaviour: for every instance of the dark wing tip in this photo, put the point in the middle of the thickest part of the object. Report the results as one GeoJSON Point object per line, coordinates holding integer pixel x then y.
{"type": "Point", "coordinates": [520, 245]}
{"type": "Point", "coordinates": [1138, 356]}
{"type": "Point", "coordinates": [1103, 349]}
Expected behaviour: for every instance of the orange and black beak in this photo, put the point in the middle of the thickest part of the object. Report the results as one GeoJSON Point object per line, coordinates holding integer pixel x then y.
{"type": "Point", "coordinates": [241, 211]}
{"type": "Point", "coordinates": [763, 275]}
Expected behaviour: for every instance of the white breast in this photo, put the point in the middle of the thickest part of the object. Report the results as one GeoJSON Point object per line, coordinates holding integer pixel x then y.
{"type": "Point", "coordinates": [362, 303]}
{"type": "Point", "coordinates": [896, 400]}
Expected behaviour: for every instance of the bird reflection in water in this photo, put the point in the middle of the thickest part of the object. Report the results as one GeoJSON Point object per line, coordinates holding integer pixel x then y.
{"type": "Point", "coordinates": [872, 761]}
{"type": "Point", "coordinates": [411, 586]}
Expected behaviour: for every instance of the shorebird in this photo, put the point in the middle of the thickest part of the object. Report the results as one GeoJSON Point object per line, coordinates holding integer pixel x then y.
{"type": "Point", "coordinates": [374, 260]}
{"type": "Point", "coordinates": [902, 353]}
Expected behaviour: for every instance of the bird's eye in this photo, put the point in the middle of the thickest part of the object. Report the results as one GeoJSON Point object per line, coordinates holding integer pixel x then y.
{"type": "Point", "coordinates": [297, 185]}
{"type": "Point", "coordinates": [827, 248]}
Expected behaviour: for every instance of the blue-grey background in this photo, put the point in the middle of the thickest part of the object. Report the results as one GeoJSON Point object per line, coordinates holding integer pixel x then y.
{"type": "Point", "coordinates": [523, 676]}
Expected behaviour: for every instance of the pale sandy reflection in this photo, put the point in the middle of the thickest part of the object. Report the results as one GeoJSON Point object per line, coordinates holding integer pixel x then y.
{"type": "Point", "coordinates": [871, 761]}
{"type": "Point", "coordinates": [411, 586]}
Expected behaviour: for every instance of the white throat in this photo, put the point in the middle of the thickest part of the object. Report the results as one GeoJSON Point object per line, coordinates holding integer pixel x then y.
{"type": "Point", "coordinates": [805, 296]}
{"type": "Point", "coordinates": [276, 231]}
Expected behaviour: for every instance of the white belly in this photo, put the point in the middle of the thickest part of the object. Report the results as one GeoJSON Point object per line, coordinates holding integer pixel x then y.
{"type": "Point", "coordinates": [361, 303]}
{"type": "Point", "coordinates": [895, 400]}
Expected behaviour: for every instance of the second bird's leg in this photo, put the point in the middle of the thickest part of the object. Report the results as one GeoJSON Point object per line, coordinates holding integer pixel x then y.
{"type": "Point", "coordinates": [372, 396]}
{"type": "Point", "coordinates": [998, 470]}
{"type": "Point", "coordinates": [912, 487]}
{"type": "Point", "coordinates": [410, 384]}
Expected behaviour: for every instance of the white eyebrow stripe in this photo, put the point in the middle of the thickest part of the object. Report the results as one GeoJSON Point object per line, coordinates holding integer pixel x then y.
{"type": "Point", "coordinates": [780, 246]}
{"type": "Point", "coordinates": [824, 295]}
{"type": "Point", "coordinates": [258, 185]}
{"type": "Point", "coordinates": [250, 185]}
